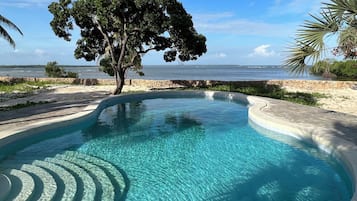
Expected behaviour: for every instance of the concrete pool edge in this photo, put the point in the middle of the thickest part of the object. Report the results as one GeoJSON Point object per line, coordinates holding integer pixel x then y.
{"type": "Point", "coordinates": [321, 137]}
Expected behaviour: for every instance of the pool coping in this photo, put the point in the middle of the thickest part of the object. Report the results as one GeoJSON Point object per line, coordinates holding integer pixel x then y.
{"type": "Point", "coordinates": [258, 112]}
{"type": "Point", "coordinates": [323, 138]}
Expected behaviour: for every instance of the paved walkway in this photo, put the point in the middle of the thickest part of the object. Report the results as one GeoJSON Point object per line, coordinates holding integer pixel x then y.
{"type": "Point", "coordinates": [60, 104]}
{"type": "Point", "coordinates": [343, 125]}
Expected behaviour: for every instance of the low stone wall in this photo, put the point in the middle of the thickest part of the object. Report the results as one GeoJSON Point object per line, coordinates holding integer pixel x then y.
{"type": "Point", "coordinates": [56, 80]}
{"type": "Point", "coordinates": [316, 85]}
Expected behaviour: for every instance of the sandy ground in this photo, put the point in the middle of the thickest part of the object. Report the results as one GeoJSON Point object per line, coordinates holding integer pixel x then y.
{"type": "Point", "coordinates": [64, 93]}
{"type": "Point", "coordinates": [344, 101]}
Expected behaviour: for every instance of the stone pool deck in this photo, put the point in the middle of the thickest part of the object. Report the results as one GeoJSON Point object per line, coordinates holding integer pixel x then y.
{"type": "Point", "coordinates": [325, 128]}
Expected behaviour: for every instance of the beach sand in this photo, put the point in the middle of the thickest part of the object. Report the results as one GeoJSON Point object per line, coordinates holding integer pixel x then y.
{"type": "Point", "coordinates": [343, 100]}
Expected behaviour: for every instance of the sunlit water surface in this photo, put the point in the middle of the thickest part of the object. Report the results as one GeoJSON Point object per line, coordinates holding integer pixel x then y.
{"type": "Point", "coordinates": [199, 149]}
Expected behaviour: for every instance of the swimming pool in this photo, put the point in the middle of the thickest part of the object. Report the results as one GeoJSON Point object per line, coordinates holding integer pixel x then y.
{"type": "Point", "coordinates": [174, 147]}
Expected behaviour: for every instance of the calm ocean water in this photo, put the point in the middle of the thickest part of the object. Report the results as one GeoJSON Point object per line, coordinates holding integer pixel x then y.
{"type": "Point", "coordinates": [172, 72]}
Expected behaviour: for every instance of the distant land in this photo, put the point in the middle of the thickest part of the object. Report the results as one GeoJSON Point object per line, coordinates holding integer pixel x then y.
{"type": "Point", "coordinates": [170, 72]}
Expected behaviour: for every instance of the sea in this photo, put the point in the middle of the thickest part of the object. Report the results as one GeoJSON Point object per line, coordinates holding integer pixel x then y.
{"type": "Point", "coordinates": [174, 72]}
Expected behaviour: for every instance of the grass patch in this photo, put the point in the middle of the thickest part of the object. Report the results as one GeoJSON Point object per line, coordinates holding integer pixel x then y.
{"type": "Point", "coordinates": [22, 105]}
{"type": "Point", "coordinates": [8, 87]}
{"type": "Point", "coordinates": [23, 87]}
{"type": "Point", "coordinates": [272, 91]}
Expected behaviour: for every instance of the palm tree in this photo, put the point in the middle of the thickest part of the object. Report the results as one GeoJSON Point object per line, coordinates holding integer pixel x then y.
{"type": "Point", "coordinates": [337, 17]}
{"type": "Point", "coordinates": [4, 34]}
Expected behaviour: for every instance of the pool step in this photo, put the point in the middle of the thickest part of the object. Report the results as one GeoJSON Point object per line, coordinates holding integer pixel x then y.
{"type": "Point", "coordinates": [67, 176]}
{"type": "Point", "coordinates": [5, 186]}
{"type": "Point", "coordinates": [104, 187]}
{"type": "Point", "coordinates": [85, 183]}
{"type": "Point", "coordinates": [42, 178]}
{"type": "Point", "coordinates": [22, 185]}
{"type": "Point", "coordinates": [117, 178]}
{"type": "Point", "coordinates": [67, 189]}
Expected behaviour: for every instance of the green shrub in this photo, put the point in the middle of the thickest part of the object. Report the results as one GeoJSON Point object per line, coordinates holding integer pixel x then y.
{"type": "Point", "coordinates": [72, 75]}
{"type": "Point", "coordinates": [52, 70]}
{"type": "Point", "coordinates": [345, 69]}
{"type": "Point", "coordinates": [320, 67]}
{"type": "Point", "coordinates": [271, 91]}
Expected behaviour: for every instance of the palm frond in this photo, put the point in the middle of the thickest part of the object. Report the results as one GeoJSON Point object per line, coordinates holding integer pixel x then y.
{"type": "Point", "coordinates": [8, 23]}
{"type": "Point", "coordinates": [299, 53]}
{"type": "Point", "coordinates": [310, 43]}
{"type": "Point", "coordinates": [4, 34]}
{"type": "Point", "coordinates": [342, 7]}
{"type": "Point", "coordinates": [344, 10]}
{"type": "Point", "coordinates": [314, 32]}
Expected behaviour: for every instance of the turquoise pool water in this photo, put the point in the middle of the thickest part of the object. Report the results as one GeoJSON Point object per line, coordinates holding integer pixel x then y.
{"type": "Point", "coordinates": [200, 149]}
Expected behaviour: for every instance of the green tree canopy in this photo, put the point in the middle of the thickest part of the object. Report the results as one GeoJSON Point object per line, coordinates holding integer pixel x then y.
{"type": "Point", "coordinates": [4, 34]}
{"type": "Point", "coordinates": [337, 17]}
{"type": "Point", "coordinates": [124, 30]}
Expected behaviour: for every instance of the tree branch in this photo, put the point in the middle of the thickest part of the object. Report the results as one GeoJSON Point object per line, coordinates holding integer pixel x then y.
{"type": "Point", "coordinates": [106, 38]}
{"type": "Point", "coordinates": [128, 65]}
{"type": "Point", "coordinates": [147, 50]}
{"type": "Point", "coordinates": [122, 51]}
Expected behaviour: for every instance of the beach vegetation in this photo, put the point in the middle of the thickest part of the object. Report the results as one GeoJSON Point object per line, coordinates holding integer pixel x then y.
{"type": "Point", "coordinates": [53, 70]}
{"type": "Point", "coordinates": [22, 105]}
{"type": "Point", "coordinates": [271, 91]}
{"type": "Point", "coordinates": [340, 70]}
{"type": "Point", "coordinates": [4, 34]}
{"type": "Point", "coordinates": [6, 87]}
{"type": "Point", "coordinates": [22, 86]}
{"type": "Point", "coordinates": [122, 31]}
{"type": "Point", "coordinates": [337, 17]}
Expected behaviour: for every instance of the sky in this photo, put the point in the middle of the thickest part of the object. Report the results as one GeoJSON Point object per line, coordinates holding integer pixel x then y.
{"type": "Point", "coordinates": [238, 32]}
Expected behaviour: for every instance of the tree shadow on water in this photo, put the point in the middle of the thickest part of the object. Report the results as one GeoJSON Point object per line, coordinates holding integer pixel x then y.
{"type": "Point", "coordinates": [279, 183]}
{"type": "Point", "coordinates": [130, 121]}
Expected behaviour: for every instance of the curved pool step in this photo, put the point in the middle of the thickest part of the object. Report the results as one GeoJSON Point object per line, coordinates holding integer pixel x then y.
{"type": "Point", "coordinates": [84, 180]}
{"type": "Point", "coordinates": [22, 185]}
{"type": "Point", "coordinates": [117, 178]}
{"type": "Point", "coordinates": [66, 183]}
{"type": "Point", "coordinates": [67, 176]}
{"type": "Point", "coordinates": [104, 187]}
{"type": "Point", "coordinates": [5, 186]}
{"type": "Point", "coordinates": [44, 179]}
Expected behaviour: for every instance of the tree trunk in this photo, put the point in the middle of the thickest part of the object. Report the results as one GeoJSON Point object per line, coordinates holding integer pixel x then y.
{"type": "Point", "coordinates": [120, 81]}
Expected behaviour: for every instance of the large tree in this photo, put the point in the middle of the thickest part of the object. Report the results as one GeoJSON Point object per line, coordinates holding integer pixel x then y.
{"type": "Point", "coordinates": [337, 17]}
{"type": "Point", "coordinates": [4, 34]}
{"type": "Point", "coordinates": [122, 31]}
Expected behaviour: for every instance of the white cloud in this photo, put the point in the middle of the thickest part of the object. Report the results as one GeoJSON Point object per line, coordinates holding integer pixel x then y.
{"type": "Point", "coordinates": [227, 23]}
{"type": "Point", "coordinates": [263, 51]}
{"type": "Point", "coordinates": [221, 55]}
{"type": "Point", "coordinates": [39, 52]}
